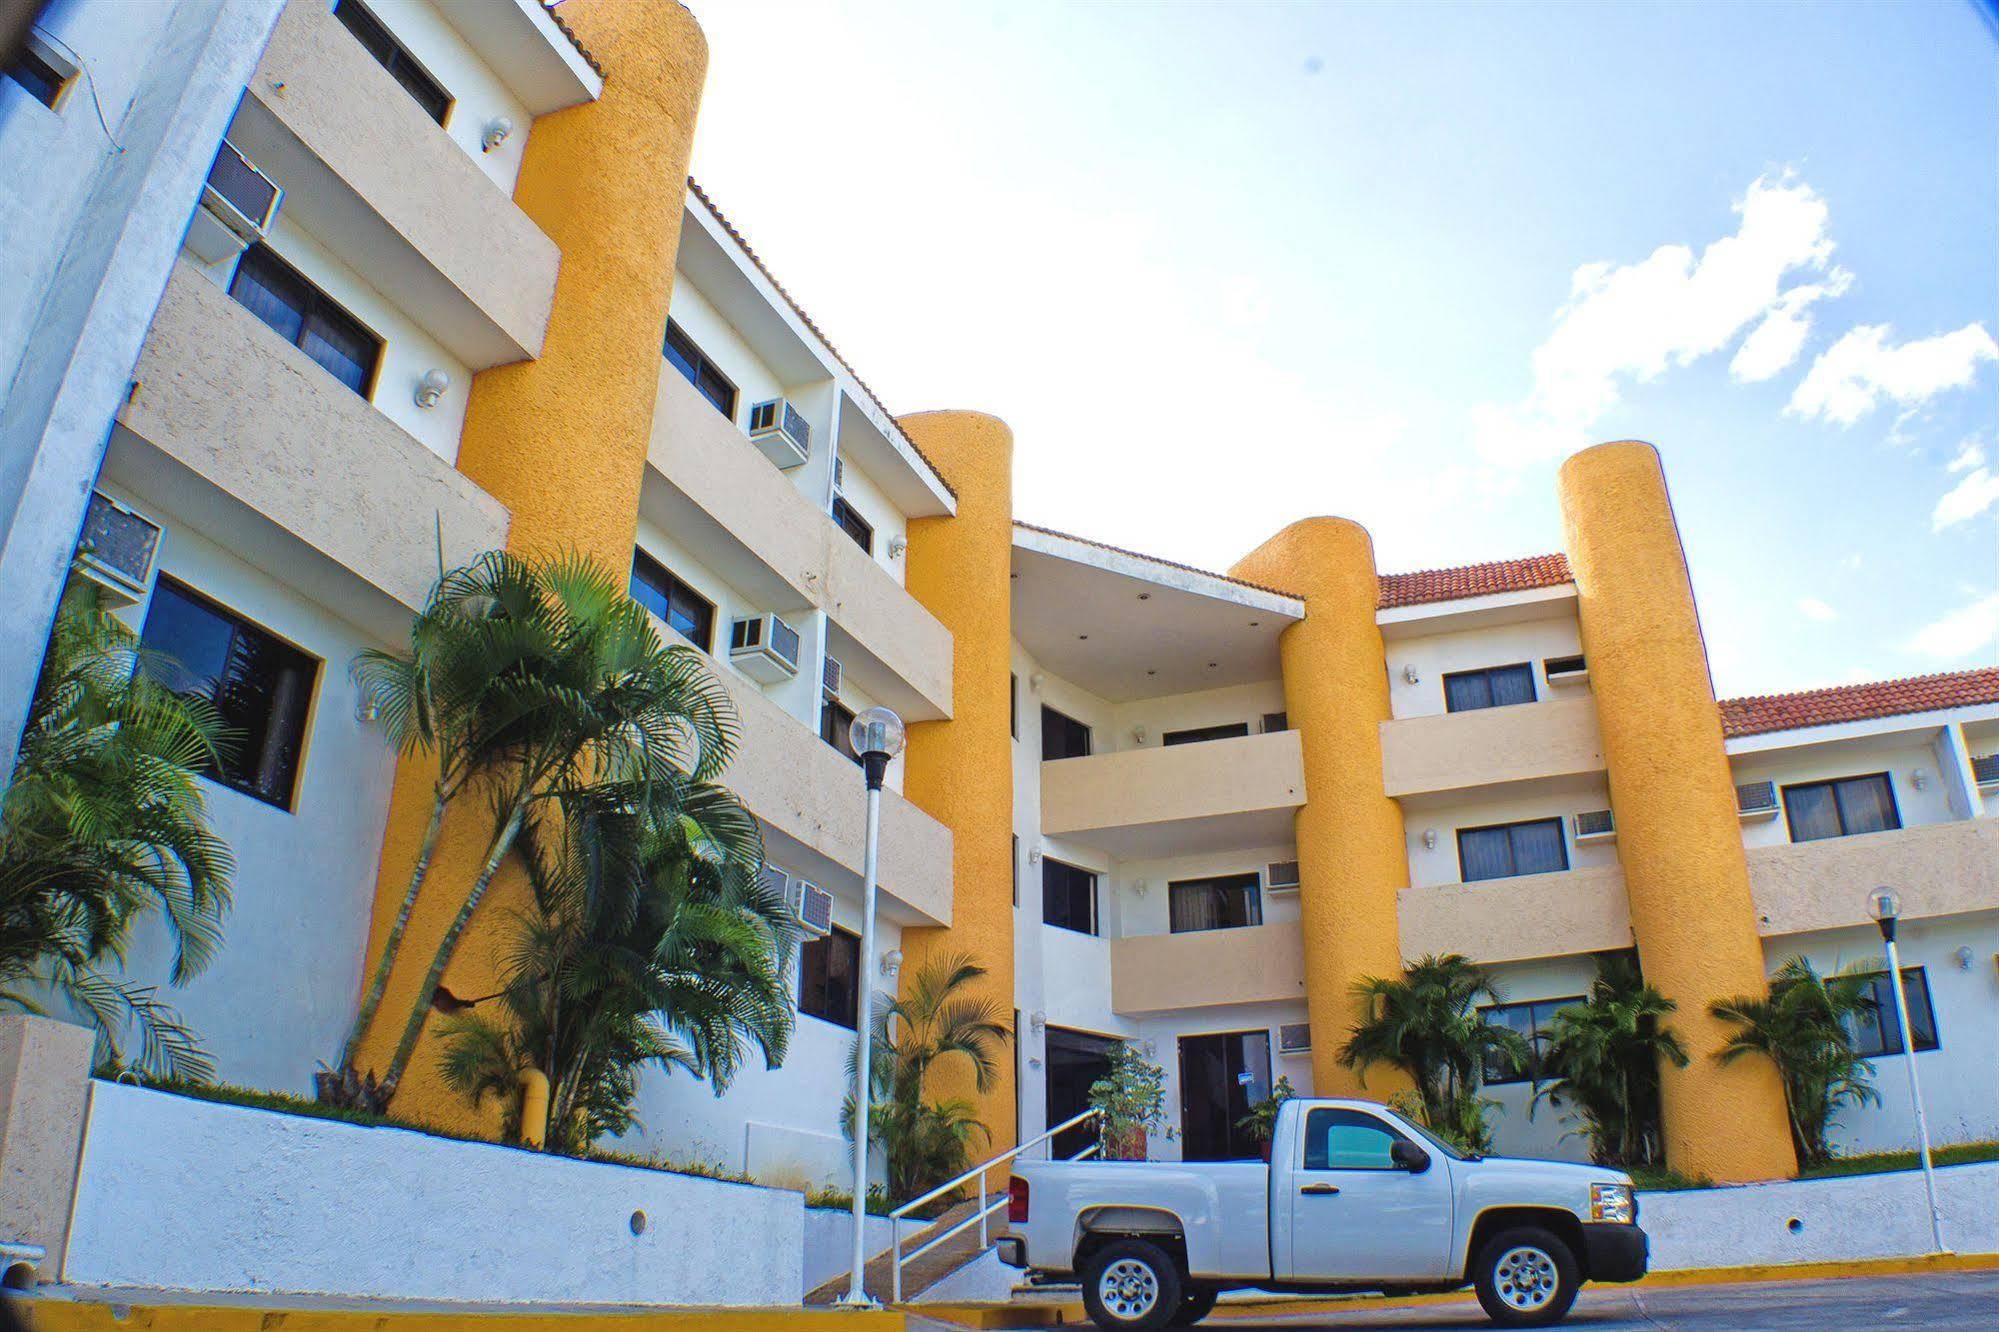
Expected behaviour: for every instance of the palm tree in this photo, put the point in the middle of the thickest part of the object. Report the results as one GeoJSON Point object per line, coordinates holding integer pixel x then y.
{"type": "Point", "coordinates": [927, 1142]}
{"type": "Point", "coordinates": [103, 823]}
{"type": "Point", "coordinates": [650, 939]}
{"type": "Point", "coordinates": [1603, 1059]}
{"type": "Point", "coordinates": [1427, 1023]}
{"type": "Point", "coordinates": [1803, 1027]}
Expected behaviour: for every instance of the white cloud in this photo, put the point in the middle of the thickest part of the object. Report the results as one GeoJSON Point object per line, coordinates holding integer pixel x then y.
{"type": "Point", "coordinates": [1970, 497]}
{"type": "Point", "coordinates": [1857, 372]}
{"type": "Point", "coordinates": [1970, 455]}
{"type": "Point", "coordinates": [1814, 609]}
{"type": "Point", "coordinates": [1630, 322]}
{"type": "Point", "coordinates": [1960, 633]}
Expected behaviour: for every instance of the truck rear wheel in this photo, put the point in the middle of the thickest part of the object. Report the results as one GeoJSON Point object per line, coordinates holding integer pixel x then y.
{"type": "Point", "coordinates": [1132, 1285]}
{"type": "Point", "coordinates": [1526, 1277]}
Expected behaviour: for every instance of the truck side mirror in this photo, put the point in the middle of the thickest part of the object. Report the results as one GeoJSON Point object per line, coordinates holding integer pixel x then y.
{"type": "Point", "coordinates": [1408, 1156]}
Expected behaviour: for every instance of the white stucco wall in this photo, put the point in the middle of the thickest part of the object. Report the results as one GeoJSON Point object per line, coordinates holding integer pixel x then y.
{"type": "Point", "coordinates": [1900, 756]}
{"type": "Point", "coordinates": [1440, 864]}
{"type": "Point", "coordinates": [183, 1194]}
{"type": "Point", "coordinates": [829, 1239]}
{"type": "Point", "coordinates": [1179, 712]}
{"type": "Point", "coordinates": [478, 95]}
{"type": "Point", "coordinates": [1163, 1033]}
{"type": "Point", "coordinates": [1435, 655]}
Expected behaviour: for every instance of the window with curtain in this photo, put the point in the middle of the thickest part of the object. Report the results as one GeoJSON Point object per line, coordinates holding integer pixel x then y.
{"type": "Point", "coordinates": [1068, 896]}
{"type": "Point", "coordinates": [1508, 849]}
{"type": "Point", "coordinates": [829, 971]}
{"type": "Point", "coordinates": [303, 315]}
{"type": "Point", "coordinates": [1223, 903]}
{"type": "Point", "coordinates": [1841, 807]}
{"type": "Point", "coordinates": [1879, 1032]}
{"type": "Point", "coordinates": [1491, 687]}
{"type": "Point", "coordinates": [685, 611]}
{"type": "Point", "coordinates": [1532, 1021]}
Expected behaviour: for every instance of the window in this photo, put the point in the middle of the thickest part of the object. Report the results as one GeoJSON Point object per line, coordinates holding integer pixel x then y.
{"type": "Point", "coordinates": [33, 70]}
{"type": "Point", "coordinates": [1068, 896]}
{"type": "Point", "coordinates": [389, 53]}
{"type": "Point", "coordinates": [1223, 903]}
{"type": "Point", "coordinates": [1013, 705]}
{"type": "Point", "coordinates": [1063, 737]}
{"type": "Point", "coordinates": [306, 317]}
{"type": "Point", "coordinates": [1274, 722]}
{"type": "Point", "coordinates": [829, 971]}
{"type": "Point", "coordinates": [1341, 1139]}
{"type": "Point", "coordinates": [835, 719]}
{"type": "Point", "coordinates": [849, 521]}
{"type": "Point", "coordinates": [261, 686]}
{"type": "Point", "coordinates": [1195, 736]}
{"type": "Point", "coordinates": [1493, 687]}
{"type": "Point", "coordinates": [1840, 808]}
{"type": "Point", "coordinates": [685, 611]}
{"type": "Point", "coordinates": [700, 371]}
{"type": "Point", "coordinates": [1878, 1032]}
{"type": "Point", "coordinates": [1507, 849]}
{"type": "Point", "coordinates": [1016, 869]}
{"type": "Point", "coordinates": [1533, 1022]}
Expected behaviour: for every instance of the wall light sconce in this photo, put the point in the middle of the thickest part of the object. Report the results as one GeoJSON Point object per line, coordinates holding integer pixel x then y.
{"type": "Point", "coordinates": [1410, 675]}
{"type": "Point", "coordinates": [1138, 735]}
{"type": "Point", "coordinates": [891, 962]}
{"type": "Point", "coordinates": [1139, 886]}
{"type": "Point", "coordinates": [1034, 856]}
{"type": "Point", "coordinates": [1151, 1048]}
{"type": "Point", "coordinates": [497, 130]}
{"type": "Point", "coordinates": [897, 546]}
{"type": "Point", "coordinates": [1429, 839]}
{"type": "Point", "coordinates": [1963, 956]}
{"type": "Point", "coordinates": [365, 710]}
{"type": "Point", "coordinates": [1037, 1022]}
{"type": "Point", "coordinates": [431, 387]}
{"type": "Point", "coordinates": [1919, 779]}
{"type": "Point", "coordinates": [1034, 681]}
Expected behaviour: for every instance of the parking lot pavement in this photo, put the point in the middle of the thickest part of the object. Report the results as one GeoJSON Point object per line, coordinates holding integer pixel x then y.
{"type": "Point", "coordinates": [1955, 1300]}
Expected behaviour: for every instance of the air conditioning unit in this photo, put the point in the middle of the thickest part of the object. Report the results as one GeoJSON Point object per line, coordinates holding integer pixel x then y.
{"type": "Point", "coordinates": [839, 473]}
{"type": "Point", "coordinates": [1294, 1038]}
{"type": "Point", "coordinates": [237, 206]}
{"type": "Point", "coordinates": [1565, 670]}
{"type": "Point", "coordinates": [764, 648]}
{"type": "Point", "coordinates": [1756, 800]}
{"type": "Point", "coordinates": [782, 432]}
{"type": "Point", "coordinates": [117, 550]}
{"type": "Point", "coordinates": [830, 676]}
{"type": "Point", "coordinates": [813, 908]}
{"type": "Point", "coordinates": [1985, 771]}
{"type": "Point", "coordinates": [1281, 876]}
{"type": "Point", "coordinates": [1594, 826]}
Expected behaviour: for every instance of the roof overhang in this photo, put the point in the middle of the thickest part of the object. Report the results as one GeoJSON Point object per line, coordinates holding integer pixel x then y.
{"type": "Point", "coordinates": [534, 57]}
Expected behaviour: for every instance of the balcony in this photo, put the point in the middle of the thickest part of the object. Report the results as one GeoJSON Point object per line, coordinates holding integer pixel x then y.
{"type": "Point", "coordinates": [1512, 920]}
{"type": "Point", "coordinates": [1177, 799]}
{"type": "Point", "coordinates": [801, 787]}
{"type": "Point", "coordinates": [376, 179]}
{"type": "Point", "coordinates": [1153, 973]}
{"type": "Point", "coordinates": [229, 421]}
{"type": "Point", "coordinates": [758, 531]}
{"type": "Point", "coordinates": [1491, 747]}
{"type": "Point", "coordinates": [1939, 869]}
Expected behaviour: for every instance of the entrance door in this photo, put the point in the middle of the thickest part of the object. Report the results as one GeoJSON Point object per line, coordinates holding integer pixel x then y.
{"type": "Point", "coordinates": [1076, 1059]}
{"type": "Point", "coordinates": [1221, 1077]}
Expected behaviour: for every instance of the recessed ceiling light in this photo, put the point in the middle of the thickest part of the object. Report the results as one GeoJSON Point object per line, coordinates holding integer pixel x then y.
{"type": "Point", "coordinates": [1082, 638]}
{"type": "Point", "coordinates": [1151, 672]}
{"type": "Point", "coordinates": [1211, 665]}
{"type": "Point", "coordinates": [1145, 596]}
{"type": "Point", "coordinates": [1254, 623]}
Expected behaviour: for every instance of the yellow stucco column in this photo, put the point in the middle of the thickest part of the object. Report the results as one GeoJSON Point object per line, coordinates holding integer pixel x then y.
{"type": "Point", "coordinates": [1351, 857]}
{"type": "Point", "coordinates": [960, 771]}
{"type": "Point", "coordinates": [561, 440]}
{"type": "Point", "coordinates": [1677, 830]}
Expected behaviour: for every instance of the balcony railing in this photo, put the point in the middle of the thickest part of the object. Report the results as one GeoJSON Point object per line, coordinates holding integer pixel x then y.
{"type": "Point", "coordinates": [1938, 868]}
{"type": "Point", "coordinates": [1510, 920]}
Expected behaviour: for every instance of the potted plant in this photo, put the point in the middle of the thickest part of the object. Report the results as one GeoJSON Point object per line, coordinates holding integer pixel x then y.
{"type": "Point", "coordinates": [1261, 1121]}
{"type": "Point", "coordinates": [1132, 1097]}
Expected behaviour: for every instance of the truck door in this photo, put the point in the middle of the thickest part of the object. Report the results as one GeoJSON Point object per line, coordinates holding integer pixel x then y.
{"type": "Point", "coordinates": [1354, 1213]}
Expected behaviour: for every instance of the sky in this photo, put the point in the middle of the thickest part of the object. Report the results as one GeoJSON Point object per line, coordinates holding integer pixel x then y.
{"type": "Point", "coordinates": [1224, 266]}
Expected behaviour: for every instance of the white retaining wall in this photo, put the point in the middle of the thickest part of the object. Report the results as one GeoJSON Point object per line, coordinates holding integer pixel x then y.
{"type": "Point", "coordinates": [829, 1241]}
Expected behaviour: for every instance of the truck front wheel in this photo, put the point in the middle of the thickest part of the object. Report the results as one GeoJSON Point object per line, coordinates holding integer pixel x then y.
{"type": "Point", "coordinates": [1526, 1277]}
{"type": "Point", "coordinates": [1131, 1285]}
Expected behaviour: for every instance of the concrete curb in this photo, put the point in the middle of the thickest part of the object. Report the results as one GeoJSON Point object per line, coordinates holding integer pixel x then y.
{"type": "Point", "coordinates": [58, 1315]}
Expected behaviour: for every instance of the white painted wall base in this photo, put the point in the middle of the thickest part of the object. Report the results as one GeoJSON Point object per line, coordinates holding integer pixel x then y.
{"type": "Point", "coordinates": [984, 1280]}
{"type": "Point", "coordinates": [829, 1238]}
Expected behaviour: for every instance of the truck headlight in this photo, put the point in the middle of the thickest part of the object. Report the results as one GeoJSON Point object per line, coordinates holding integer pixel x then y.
{"type": "Point", "coordinates": [1612, 1202]}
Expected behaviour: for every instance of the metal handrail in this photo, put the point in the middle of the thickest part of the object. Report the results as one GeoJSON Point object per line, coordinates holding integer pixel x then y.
{"type": "Point", "coordinates": [981, 1212]}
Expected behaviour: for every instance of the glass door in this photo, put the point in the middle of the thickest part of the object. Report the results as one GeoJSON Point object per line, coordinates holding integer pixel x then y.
{"type": "Point", "coordinates": [1221, 1077]}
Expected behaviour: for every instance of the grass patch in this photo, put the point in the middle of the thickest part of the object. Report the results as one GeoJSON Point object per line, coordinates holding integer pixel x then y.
{"type": "Point", "coordinates": [1878, 1163]}
{"type": "Point", "coordinates": [1665, 1179]}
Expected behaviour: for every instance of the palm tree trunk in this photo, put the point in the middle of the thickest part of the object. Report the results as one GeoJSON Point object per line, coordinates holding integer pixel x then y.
{"type": "Point", "coordinates": [364, 1016]}
{"type": "Point", "coordinates": [503, 841]}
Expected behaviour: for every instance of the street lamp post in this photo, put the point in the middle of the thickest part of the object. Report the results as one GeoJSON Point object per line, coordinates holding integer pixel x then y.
{"type": "Point", "coordinates": [876, 735]}
{"type": "Point", "coordinates": [1885, 906]}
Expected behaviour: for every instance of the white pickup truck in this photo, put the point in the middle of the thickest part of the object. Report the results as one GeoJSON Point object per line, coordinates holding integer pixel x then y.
{"type": "Point", "coordinates": [1356, 1198]}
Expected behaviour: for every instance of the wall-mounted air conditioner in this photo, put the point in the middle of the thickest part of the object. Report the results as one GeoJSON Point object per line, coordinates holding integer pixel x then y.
{"type": "Point", "coordinates": [237, 206]}
{"type": "Point", "coordinates": [1985, 771]}
{"type": "Point", "coordinates": [1594, 825]}
{"type": "Point", "coordinates": [1294, 1038]}
{"type": "Point", "coordinates": [813, 908]}
{"type": "Point", "coordinates": [1281, 876]}
{"type": "Point", "coordinates": [1756, 800]}
{"type": "Point", "coordinates": [839, 473]}
{"type": "Point", "coordinates": [764, 648]}
{"type": "Point", "coordinates": [782, 432]}
{"type": "Point", "coordinates": [830, 676]}
{"type": "Point", "coordinates": [117, 550]}
{"type": "Point", "coordinates": [1565, 670]}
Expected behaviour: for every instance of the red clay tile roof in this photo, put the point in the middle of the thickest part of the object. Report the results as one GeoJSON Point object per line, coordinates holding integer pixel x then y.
{"type": "Point", "coordinates": [1473, 580]}
{"type": "Point", "coordinates": [1858, 702]}
{"type": "Point", "coordinates": [806, 319]}
{"type": "Point", "coordinates": [1154, 559]}
{"type": "Point", "coordinates": [574, 40]}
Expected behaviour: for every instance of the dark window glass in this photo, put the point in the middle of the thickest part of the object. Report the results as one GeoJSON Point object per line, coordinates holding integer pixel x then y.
{"type": "Point", "coordinates": [1221, 1077]}
{"type": "Point", "coordinates": [1879, 1032]}
{"type": "Point", "coordinates": [685, 611]}
{"type": "Point", "coordinates": [306, 317]}
{"type": "Point", "coordinates": [1215, 904]}
{"type": "Point", "coordinates": [1013, 705]}
{"type": "Point", "coordinates": [1533, 1022]}
{"type": "Point", "coordinates": [1194, 736]}
{"type": "Point", "coordinates": [1493, 687]}
{"type": "Point", "coordinates": [701, 372]}
{"type": "Point", "coordinates": [1341, 1139]}
{"type": "Point", "coordinates": [1068, 896]}
{"type": "Point", "coordinates": [1076, 1060]}
{"type": "Point", "coordinates": [1276, 721]}
{"type": "Point", "coordinates": [261, 686]}
{"type": "Point", "coordinates": [1016, 869]}
{"type": "Point", "coordinates": [829, 972]}
{"type": "Point", "coordinates": [855, 526]}
{"type": "Point", "coordinates": [835, 723]}
{"type": "Point", "coordinates": [1062, 736]}
{"type": "Point", "coordinates": [389, 53]}
{"type": "Point", "coordinates": [1840, 808]}
{"type": "Point", "coordinates": [1500, 852]}
{"type": "Point", "coordinates": [42, 80]}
